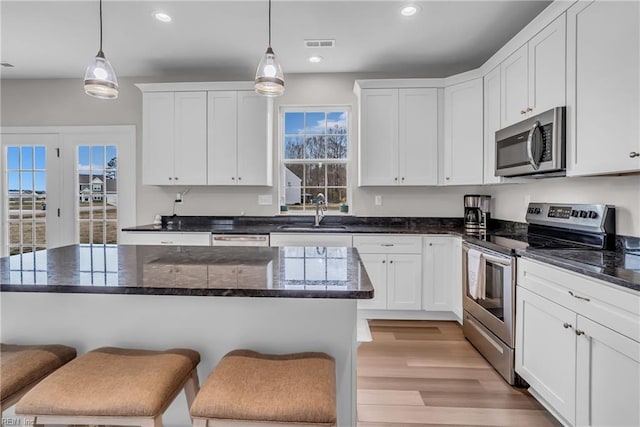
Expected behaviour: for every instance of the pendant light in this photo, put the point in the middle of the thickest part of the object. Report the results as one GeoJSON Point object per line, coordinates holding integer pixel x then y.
{"type": "Point", "coordinates": [269, 77]}
{"type": "Point", "coordinates": [100, 79]}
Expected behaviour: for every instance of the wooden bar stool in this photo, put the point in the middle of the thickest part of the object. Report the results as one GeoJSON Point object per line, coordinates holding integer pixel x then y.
{"type": "Point", "coordinates": [23, 366]}
{"type": "Point", "coordinates": [253, 389]}
{"type": "Point", "coordinates": [113, 386]}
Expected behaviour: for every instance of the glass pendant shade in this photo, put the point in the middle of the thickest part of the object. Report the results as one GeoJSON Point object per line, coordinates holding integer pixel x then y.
{"type": "Point", "coordinates": [100, 80]}
{"type": "Point", "coordinates": [269, 76]}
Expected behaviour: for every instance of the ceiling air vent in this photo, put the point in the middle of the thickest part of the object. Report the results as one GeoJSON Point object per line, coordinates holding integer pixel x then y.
{"type": "Point", "coordinates": [319, 43]}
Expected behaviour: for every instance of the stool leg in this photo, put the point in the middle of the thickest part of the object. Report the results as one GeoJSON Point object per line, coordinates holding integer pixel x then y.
{"type": "Point", "coordinates": [155, 422]}
{"type": "Point", "coordinates": [191, 387]}
{"type": "Point", "coordinates": [200, 422]}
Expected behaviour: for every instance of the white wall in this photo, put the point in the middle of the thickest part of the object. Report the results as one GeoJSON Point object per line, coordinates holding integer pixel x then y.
{"type": "Point", "coordinates": [63, 102]}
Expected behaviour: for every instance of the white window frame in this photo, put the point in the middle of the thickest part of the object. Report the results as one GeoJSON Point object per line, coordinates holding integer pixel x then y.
{"type": "Point", "coordinates": [123, 136]}
{"type": "Point", "coordinates": [348, 161]}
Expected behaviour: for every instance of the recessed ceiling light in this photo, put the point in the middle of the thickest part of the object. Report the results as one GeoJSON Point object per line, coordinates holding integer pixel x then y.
{"type": "Point", "coordinates": [409, 10]}
{"type": "Point", "coordinates": [162, 16]}
{"type": "Point", "coordinates": [315, 58]}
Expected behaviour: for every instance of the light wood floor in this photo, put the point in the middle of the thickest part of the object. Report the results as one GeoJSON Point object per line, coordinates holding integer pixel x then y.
{"type": "Point", "coordinates": [424, 373]}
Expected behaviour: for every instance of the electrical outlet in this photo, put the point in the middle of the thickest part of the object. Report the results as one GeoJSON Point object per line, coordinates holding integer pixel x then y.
{"type": "Point", "coordinates": [378, 201]}
{"type": "Point", "coordinates": [178, 198]}
{"type": "Point", "coordinates": [265, 199]}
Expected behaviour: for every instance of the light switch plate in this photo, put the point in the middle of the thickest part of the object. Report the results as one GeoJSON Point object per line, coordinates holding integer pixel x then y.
{"type": "Point", "coordinates": [378, 201]}
{"type": "Point", "coordinates": [265, 199]}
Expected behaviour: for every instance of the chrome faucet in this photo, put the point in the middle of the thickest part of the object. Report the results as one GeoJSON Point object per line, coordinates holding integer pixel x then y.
{"type": "Point", "coordinates": [320, 208]}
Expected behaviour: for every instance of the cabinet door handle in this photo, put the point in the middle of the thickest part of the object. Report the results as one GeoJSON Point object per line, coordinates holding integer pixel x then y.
{"type": "Point", "coordinates": [523, 111]}
{"type": "Point", "coordinates": [176, 178]}
{"type": "Point", "coordinates": [634, 154]}
{"type": "Point", "coordinates": [579, 297]}
{"type": "Point", "coordinates": [579, 332]}
{"type": "Point", "coordinates": [395, 179]}
{"type": "Point", "coordinates": [383, 261]}
{"type": "Point", "coordinates": [233, 178]}
{"type": "Point", "coordinates": [239, 178]}
{"type": "Point", "coordinates": [403, 178]}
{"type": "Point", "coordinates": [447, 178]}
{"type": "Point", "coordinates": [567, 325]}
{"type": "Point", "coordinates": [170, 178]}
{"type": "Point", "coordinates": [529, 109]}
{"type": "Point", "coordinates": [430, 244]}
{"type": "Point", "coordinates": [391, 262]}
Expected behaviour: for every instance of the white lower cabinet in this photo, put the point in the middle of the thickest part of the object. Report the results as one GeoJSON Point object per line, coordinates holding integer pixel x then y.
{"type": "Point", "coordinates": [394, 265]}
{"type": "Point", "coordinates": [168, 238]}
{"type": "Point", "coordinates": [310, 239]}
{"type": "Point", "coordinates": [546, 350]}
{"type": "Point", "coordinates": [376, 266]}
{"type": "Point", "coordinates": [578, 345]}
{"type": "Point", "coordinates": [438, 266]}
{"type": "Point", "coordinates": [607, 377]}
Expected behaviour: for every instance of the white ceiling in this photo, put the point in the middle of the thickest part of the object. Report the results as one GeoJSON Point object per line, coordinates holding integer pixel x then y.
{"type": "Point", "coordinates": [58, 39]}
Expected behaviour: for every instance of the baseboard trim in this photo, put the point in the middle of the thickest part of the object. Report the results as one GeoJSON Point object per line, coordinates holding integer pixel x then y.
{"type": "Point", "coordinates": [407, 315]}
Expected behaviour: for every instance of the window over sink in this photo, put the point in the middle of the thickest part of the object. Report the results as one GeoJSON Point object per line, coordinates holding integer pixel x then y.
{"type": "Point", "coordinates": [314, 157]}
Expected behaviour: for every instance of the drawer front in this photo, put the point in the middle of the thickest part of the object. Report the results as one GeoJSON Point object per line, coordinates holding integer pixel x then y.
{"type": "Point", "coordinates": [388, 244]}
{"type": "Point", "coordinates": [310, 239]}
{"type": "Point", "coordinates": [602, 302]}
{"type": "Point", "coordinates": [165, 238]}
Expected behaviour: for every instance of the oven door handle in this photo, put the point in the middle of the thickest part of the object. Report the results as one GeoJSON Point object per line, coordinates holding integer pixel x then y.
{"type": "Point", "coordinates": [491, 258]}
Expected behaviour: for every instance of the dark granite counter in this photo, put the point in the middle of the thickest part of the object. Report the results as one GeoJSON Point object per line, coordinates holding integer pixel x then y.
{"type": "Point", "coordinates": [304, 224]}
{"type": "Point", "coordinates": [288, 272]}
{"type": "Point", "coordinates": [614, 267]}
{"type": "Point", "coordinates": [619, 267]}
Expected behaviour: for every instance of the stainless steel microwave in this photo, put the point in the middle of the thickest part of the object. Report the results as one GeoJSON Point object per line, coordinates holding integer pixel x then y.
{"type": "Point", "coordinates": [535, 146]}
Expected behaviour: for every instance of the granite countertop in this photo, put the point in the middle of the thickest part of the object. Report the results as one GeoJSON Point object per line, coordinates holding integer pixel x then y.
{"type": "Point", "coordinates": [614, 267]}
{"type": "Point", "coordinates": [620, 267]}
{"type": "Point", "coordinates": [288, 272]}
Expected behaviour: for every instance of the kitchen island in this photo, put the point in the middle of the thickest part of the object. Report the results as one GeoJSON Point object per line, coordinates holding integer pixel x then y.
{"type": "Point", "coordinates": [210, 299]}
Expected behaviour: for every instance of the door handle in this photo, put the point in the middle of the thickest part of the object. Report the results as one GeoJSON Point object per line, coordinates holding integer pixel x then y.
{"type": "Point", "coordinates": [567, 325]}
{"type": "Point", "coordinates": [534, 162]}
{"type": "Point", "coordinates": [579, 297]}
{"type": "Point", "coordinates": [634, 154]}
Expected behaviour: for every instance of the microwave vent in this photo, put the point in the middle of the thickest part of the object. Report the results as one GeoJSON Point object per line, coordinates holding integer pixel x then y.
{"type": "Point", "coordinates": [319, 43]}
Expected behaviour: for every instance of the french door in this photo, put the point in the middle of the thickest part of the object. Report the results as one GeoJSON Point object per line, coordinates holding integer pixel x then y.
{"type": "Point", "coordinates": [76, 185]}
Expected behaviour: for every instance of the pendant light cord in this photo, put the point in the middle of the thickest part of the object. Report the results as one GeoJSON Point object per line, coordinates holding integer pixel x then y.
{"type": "Point", "coordinates": [269, 22]}
{"type": "Point", "coordinates": [101, 25]}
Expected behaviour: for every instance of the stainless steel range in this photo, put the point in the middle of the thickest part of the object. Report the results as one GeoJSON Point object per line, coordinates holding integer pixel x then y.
{"type": "Point", "coordinates": [489, 271]}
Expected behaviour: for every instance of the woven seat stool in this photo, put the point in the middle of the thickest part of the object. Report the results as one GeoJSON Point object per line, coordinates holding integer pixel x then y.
{"type": "Point", "coordinates": [253, 389]}
{"type": "Point", "coordinates": [112, 386]}
{"type": "Point", "coordinates": [23, 366]}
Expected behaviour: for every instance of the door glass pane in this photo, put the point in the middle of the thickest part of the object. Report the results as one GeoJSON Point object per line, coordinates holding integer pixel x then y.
{"type": "Point", "coordinates": [27, 197]}
{"type": "Point", "coordinates": [97, 171]}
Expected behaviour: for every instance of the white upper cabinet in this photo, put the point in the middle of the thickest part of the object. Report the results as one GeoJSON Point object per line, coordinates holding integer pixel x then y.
{"type": "Point", "coordinates": [398, 137]}
{"type": "Point", "coordinates": [547, 67]}
{"type": "Point", "coordinates": [418, 136]}
{"type": "Point", "coordinates": [157, 138]}
{"type": "Point", "coordinates": [174, 138]}
{"type": "Point", "coordinates": [463, 133]}
{"type": "Point", "coordinates": [514, 87]}
{"type": "Point", "coordinates": [603, 94]}
{"type": "Point", "coordinates": [218, 133]}
{"type": "Point", "coordinates": [238, 139]}
{"type": "Point", "coordinates": [492, 123]}
{"type": "Point", "coordinates": [222, 136]}
{"type": "Point", "coordinates": [534, 76]}
{"type": "Point", "coordinates": [255, 166]}
{"type": "Point", "coordinates": [378, 150]}
{"type": "Point", "coordinates": [190, 142]}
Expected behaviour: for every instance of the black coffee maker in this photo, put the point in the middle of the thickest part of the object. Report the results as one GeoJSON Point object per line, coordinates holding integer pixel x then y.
{"type": "Point", "coordinates": [476, 212]}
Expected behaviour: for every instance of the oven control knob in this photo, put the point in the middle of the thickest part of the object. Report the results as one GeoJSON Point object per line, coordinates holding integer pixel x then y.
{"type": "Point", "coordinates": [575, 213]}
{"type": "Point", "coordinates": [583, 214]}
{"type": "Point", "coordinates": [593, 214]}
{"type": "Point", "coordinates": [537, 211]}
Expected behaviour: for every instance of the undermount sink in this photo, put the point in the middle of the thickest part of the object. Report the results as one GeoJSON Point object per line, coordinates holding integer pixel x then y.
{"type": "Point", "coordinates": [311, 227]}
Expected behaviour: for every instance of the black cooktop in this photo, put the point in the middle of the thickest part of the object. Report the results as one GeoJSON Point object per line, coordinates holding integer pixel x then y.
{"type": "Point", "coordinates": [510, 243]}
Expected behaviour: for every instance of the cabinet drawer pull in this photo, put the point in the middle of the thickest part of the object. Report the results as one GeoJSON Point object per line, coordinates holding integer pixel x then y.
{"type": "Point", "coordinates": [579, 332]}
{"type": "Point", "coordinates": [383, 261]}
{"type": "Point", "coordinates": [170, 178]}
{"type": "Point", "coordinates": [167, 243]}
{"type": "Point", "coordinates": [176, 178]}
{"type": "Point", "coordinates": [578, 296]}
{"type": "Point", "coordinates": [634, 154]}
{"type": "Point", "coordinates": [567, 325]}
{"type": "Point", "coordinates": [391, 262]}
{"type": "Point", "coordinates": [387, 245]}
{"type": "Point", "coordinates": [395, 179]}
{"type": "Point", "coordinates": [529, 109]}
{"type": "Point", "coordinates": [523, 111]}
